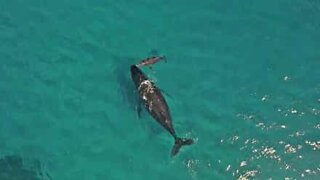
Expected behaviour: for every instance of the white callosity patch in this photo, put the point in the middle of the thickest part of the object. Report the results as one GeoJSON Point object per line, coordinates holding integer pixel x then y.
{"type": "Point", "coordinates": [150, 106]}
{"type": "Point", "coordinates": [147, 89]}
{"type": "Point", "coordinates": [148, 83]}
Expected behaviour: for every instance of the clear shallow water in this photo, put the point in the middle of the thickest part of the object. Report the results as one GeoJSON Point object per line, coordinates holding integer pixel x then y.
{"type": "Point", "coordinates": [243, 76]}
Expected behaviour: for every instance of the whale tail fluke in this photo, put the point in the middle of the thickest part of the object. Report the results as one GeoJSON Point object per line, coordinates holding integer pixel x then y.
{"type": "Point", "coordinates": [179, 142]}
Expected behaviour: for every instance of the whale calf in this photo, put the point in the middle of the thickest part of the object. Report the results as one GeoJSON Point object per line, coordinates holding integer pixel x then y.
{"type": "Point", "coordinates": [151, 60]}
{"type": "Point", "coordinates": [157, 106]}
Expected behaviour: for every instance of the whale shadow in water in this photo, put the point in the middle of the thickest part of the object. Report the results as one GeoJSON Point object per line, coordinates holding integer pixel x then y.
{"type": "Point", "coordinates": [130, 95]}
{"type": "Point", "coordinates": [126, 87]}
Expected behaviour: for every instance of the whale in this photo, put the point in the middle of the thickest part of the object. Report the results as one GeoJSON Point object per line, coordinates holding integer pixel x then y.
{"type": "Point", "coordinates": [154, 102]}
{"type": "Point", "coordinates": [150, 61]}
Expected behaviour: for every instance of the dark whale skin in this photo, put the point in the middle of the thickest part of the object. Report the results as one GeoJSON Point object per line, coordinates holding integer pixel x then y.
{"type": "Point", "coordinates": [156, 105]}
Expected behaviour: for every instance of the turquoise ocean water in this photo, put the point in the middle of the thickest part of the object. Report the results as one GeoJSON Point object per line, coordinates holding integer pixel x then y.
{"type": "Point", "coordinates": [243, 79]}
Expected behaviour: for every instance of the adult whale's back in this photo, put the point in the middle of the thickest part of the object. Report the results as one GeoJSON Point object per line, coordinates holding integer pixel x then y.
{"type": "Point", "coordinates": [156, 105]}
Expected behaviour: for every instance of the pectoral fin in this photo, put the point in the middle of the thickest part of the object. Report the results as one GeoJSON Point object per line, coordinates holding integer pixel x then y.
{"type": "Point", "coordinates": [139, 108]}
{"type": "Point", "coordinates": [137, 103]}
